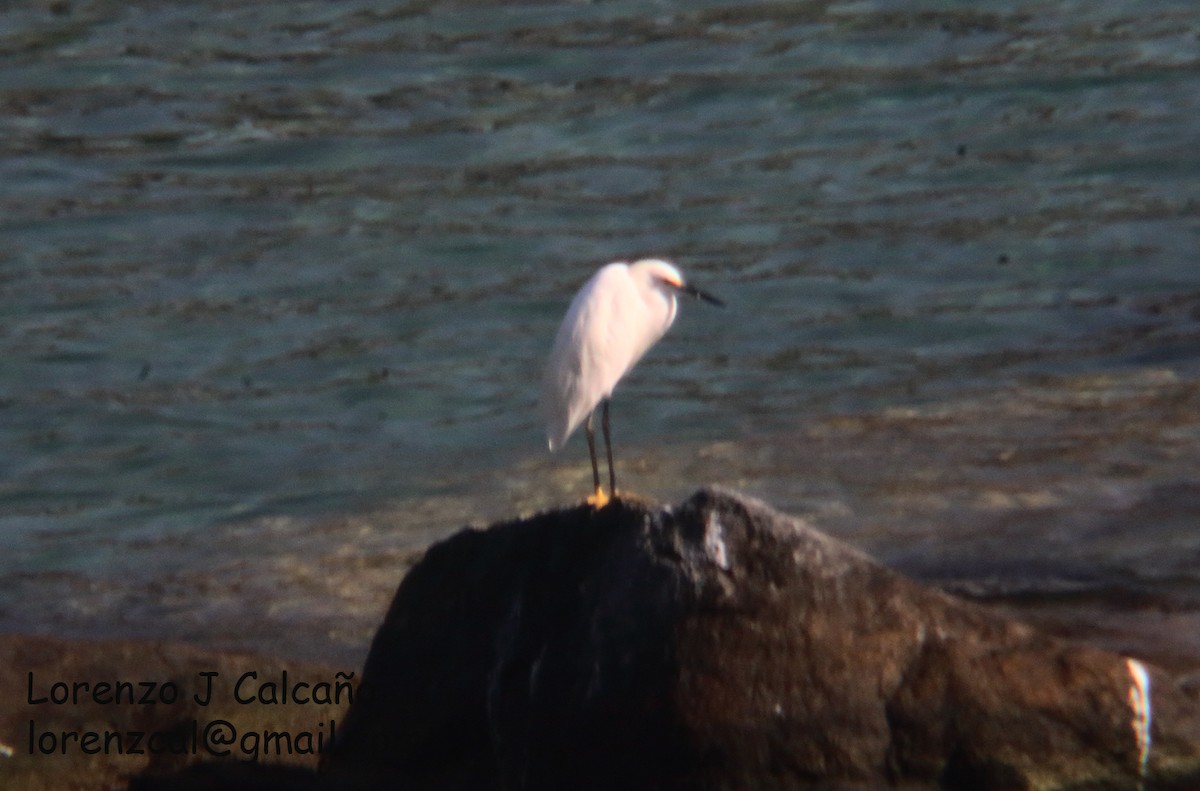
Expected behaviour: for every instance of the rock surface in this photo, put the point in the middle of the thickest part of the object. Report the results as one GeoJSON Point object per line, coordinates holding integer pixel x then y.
{"type": "Point", "coordinates": [724, 645]}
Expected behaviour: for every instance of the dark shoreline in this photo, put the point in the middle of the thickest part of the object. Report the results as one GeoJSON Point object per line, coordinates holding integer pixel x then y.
{"type": "Point", "coordinates": [60, 716]}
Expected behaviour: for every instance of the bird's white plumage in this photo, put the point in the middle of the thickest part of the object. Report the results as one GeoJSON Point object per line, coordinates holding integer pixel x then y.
{"type": "Point", "coordinates": [613, 321]}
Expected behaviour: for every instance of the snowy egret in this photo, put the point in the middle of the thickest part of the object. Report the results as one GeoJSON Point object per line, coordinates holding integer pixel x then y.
{"type": "Point", "coordinates": [620, 312]}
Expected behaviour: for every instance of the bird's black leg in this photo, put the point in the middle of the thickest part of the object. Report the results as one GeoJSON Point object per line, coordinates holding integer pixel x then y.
{"type": "Point", "coordinates": [612, 475]}
{"type": "Point", "coordinates": [591, 439]}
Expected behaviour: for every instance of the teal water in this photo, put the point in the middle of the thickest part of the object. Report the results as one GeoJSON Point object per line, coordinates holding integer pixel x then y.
{"type": "Point", "coordinates": [277, 280]}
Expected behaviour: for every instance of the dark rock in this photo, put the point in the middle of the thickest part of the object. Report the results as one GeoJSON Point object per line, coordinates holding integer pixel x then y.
{"type": "Point", "coordinates": [725, 646]}
{"type": "Point", "coordinates": [227, 775]}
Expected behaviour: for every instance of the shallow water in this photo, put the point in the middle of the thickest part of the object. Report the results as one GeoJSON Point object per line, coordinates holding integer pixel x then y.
{"type": "Point", "coordinates": [277, 280]}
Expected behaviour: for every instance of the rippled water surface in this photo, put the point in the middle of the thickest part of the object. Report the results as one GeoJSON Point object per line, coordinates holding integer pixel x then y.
{"type": "Point", "coordinates": [277, 280]}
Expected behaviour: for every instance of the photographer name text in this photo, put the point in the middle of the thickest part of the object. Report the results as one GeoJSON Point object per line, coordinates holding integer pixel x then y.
{"type": "Point", "coordinates": [217, 737]}
{"type": "Point", "coordinates": [247, 690]}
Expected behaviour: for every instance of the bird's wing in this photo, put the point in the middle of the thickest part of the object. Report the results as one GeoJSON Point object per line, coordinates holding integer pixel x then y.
{"type": "Point", "coordinates": [606, 330]}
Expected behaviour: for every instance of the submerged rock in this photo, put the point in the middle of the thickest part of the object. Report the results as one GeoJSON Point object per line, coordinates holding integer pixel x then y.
{"type": "Point", "coordinates": [724, 645]}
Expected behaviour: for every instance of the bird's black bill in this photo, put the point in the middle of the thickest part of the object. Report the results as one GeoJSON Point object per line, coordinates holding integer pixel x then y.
{"type": "Point", "coordinates": [692, 291]}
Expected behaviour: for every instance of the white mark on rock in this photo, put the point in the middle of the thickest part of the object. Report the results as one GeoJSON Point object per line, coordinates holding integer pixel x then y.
{"type": "Point", "coordinates": [714, 542]}
{"type": "Point", "coordinates": [1139, 702]}
{"type": "Point", "coordinates": [535, 670]}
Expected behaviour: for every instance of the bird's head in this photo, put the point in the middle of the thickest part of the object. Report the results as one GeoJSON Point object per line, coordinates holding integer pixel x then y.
{"type": "Point", "coordinates": [667, 275]}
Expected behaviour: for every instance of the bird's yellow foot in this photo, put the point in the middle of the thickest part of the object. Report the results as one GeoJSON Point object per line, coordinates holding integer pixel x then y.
{"type": "Point", "coordinates": [599, 499]}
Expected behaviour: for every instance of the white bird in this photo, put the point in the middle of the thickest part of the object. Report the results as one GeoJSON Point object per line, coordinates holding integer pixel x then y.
{"type": "Point", "coordinates": [616, 317]}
